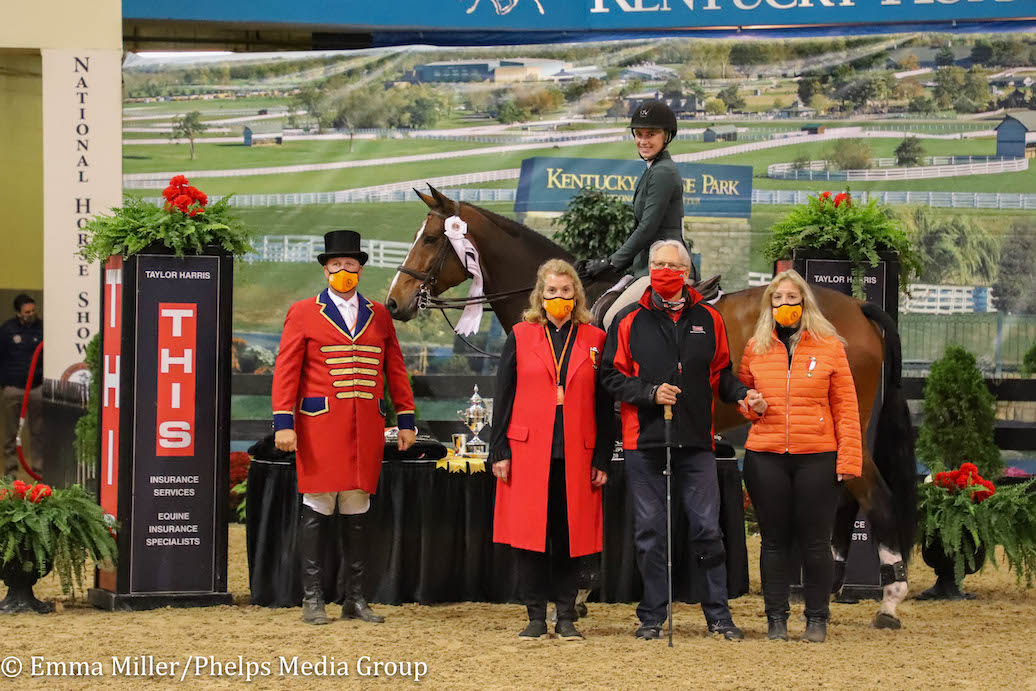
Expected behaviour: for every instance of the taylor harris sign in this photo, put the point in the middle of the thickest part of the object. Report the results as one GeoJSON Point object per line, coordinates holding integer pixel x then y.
{"type": "Point", "coordinates": [547, 184]}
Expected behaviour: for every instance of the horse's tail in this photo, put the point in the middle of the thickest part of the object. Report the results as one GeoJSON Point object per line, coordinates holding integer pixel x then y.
{"type": "Point", "coordinates": [894, 441]}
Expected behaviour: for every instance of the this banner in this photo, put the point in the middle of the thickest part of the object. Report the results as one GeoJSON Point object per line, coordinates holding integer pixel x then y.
{"type": "Point", "coordinates": [547, 184]}
{"type": "Point", "coordinates": [174, 439]}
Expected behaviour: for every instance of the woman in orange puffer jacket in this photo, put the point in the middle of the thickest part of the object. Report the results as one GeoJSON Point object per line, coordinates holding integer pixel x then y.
{"type": "Point", "coordinates": [805, 438]}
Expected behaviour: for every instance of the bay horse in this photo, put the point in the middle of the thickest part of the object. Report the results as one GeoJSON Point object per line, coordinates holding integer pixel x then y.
{"type": "Point", "coordinates": [510, 254]}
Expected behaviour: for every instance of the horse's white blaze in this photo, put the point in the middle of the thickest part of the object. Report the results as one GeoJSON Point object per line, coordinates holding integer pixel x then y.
{"type": "Point", "coordinates": [420, 232]}
{"type": "Point", "coordinates": [893, 593]}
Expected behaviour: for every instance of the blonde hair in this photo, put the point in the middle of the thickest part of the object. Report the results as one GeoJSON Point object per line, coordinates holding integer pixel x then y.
{"type": "Point", "coordinates": [558, 267]}
{"type": "Point", "coordinates": [812, 320]}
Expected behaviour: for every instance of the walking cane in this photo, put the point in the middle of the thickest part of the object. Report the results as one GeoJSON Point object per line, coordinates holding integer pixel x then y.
{"type": "Point", "coordinates": [668, 415]}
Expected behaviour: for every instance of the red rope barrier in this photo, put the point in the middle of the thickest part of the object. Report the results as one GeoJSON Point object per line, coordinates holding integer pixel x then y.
{"type": "Point", "coordinates": [25, 408]}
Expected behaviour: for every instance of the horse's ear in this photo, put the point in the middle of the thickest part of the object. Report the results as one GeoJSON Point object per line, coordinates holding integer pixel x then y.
{"type": "Point", "coordinates": [444, 202]}
{"type": "Point", "coordinates": [425, 198]}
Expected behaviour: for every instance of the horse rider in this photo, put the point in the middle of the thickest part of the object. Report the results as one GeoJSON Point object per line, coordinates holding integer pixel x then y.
{"type": "Point", "coordinates": [658, 196]}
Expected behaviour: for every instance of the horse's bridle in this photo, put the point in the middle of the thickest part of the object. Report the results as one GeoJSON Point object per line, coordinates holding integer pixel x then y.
{"type": "Point", "coordinates": [428, 279]}
{"type": "Point", "coordinates": [425, 299]}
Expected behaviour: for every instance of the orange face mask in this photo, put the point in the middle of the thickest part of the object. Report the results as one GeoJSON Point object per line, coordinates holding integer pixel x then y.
{"type": "Point", "coordinates": [343, 280]}
{"type": "Point", "coordinates": [559, 308]}
{"type": "Point", "coordinates": [787, 315]}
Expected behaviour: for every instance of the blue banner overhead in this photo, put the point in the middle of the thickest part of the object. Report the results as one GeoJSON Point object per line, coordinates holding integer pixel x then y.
{"type": "Point", "coordinates": [599, 16]}
{"type": "Point", "coordinates": [547, 184]}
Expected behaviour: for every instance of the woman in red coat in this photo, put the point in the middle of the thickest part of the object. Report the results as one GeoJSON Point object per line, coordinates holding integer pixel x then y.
{"type": "Point", "coordinates": [553, 430]}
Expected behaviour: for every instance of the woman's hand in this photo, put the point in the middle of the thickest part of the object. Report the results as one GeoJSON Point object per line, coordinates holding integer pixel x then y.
{"type": "Point", "coordinates": [598, 477]}
{"type": "Point", "coordinates": [842, 476]}
{"type": "Point", "coordinates": [756, 402]}
{"type": "Point", "coordinates": [502, 469]}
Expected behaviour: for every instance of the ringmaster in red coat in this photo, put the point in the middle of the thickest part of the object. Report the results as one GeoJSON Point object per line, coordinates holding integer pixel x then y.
{"type": "Point", "coordinates": [336, 352]}
{"type": "Point", "coordinates": [553, 431]}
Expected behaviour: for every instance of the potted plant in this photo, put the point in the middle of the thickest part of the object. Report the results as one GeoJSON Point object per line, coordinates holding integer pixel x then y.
{"type": "Point", "coordinates": [43, 529]}
{"type": "Point", "coordinates": [963, 518]}
{"type": "Point", "coordinates": [841, 228]}
{"type": "Point", "coordinates": [186, 222]}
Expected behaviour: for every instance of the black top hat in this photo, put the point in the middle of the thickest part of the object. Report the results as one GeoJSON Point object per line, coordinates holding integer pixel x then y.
{"type": "Point", "coordinates": [342, 243]}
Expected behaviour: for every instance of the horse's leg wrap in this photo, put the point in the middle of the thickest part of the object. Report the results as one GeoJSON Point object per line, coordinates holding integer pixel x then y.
{"type": "Point", "coordinates": [892, 573]}
{"type": "Point", "coordinates": [894, 586]}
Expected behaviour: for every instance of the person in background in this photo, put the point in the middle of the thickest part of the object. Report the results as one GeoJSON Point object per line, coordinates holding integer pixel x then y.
{"type": "Point", "coordinates": [552, 438]}
{"type": "Point", "coordinates": [670, 349]}
{"type": "Point", "coordinates": [19, 337]}
{"type": "Point", "coordinates": [805, 439]}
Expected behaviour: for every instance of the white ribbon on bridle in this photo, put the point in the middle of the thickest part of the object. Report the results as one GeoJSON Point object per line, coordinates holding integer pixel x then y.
{"type": "Point", "coordinates": [456, 232]}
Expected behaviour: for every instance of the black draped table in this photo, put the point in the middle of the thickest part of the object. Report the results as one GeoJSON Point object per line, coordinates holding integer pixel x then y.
{"type": "Point", "coordinates": [432, 538]}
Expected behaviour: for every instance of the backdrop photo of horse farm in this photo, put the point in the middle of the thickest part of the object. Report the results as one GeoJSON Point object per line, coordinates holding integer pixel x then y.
{"type": "Point", "coordinates": [940, 127]}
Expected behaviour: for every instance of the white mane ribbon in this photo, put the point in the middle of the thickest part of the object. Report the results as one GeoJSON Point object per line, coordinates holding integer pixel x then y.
{"type": "Point", "coordinates": [457, 233]}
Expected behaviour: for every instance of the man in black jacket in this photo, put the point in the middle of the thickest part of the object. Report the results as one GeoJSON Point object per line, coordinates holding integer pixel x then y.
{"type": "Point", "coordinates": [670, 348]}
{"type": "Point", "coordinates": [19, 337]}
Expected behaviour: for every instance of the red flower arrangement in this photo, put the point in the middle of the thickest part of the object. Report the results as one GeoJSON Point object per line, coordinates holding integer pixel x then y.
{"type": "Point", "coordinates": [843, 197]}
{"type": "Point", "coordinates": [34, 493]}
{"type": "Point", "coordinates": [239, 462]}
{"type": "Point", "coordinates": [183, 197]}
{"type": "Point", "coordinates": [964, 477]}
{"type": "Point", "coordinates": [824, 197]}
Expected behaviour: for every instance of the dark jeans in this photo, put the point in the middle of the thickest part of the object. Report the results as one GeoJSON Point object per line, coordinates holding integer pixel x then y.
{"type": "Point", "coordinates": [795, 498]}
{"type": "Point", "coordinates": [551, 575]}
{"type": "Point", "coordinates": [695, 487]}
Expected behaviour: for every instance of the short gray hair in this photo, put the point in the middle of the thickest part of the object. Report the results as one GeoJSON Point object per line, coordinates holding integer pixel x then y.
{"type": "Point", "coordinates": [659, 244]}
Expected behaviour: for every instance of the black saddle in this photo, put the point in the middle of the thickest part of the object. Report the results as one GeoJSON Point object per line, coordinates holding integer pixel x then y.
{"type": "Point", "coordinates": [709, 288]}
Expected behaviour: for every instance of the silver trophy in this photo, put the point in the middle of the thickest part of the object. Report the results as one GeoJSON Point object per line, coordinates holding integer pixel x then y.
{"type": "Point", "coordinates": [475, 418]}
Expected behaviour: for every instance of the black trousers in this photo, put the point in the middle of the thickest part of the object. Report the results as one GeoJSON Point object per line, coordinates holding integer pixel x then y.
{"type": "Point", "coordinates": [551, 575]}
{"type": "Point", "coordinates": [696, 488]}
{"type": "Point", "coordinates": [795, 498]}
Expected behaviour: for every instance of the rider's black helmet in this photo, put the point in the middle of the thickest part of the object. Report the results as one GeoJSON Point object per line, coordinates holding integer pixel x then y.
{"type": "Point", "coordinates": [655, 114]}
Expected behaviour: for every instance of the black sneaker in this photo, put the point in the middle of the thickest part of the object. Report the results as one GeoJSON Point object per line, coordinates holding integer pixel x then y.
{"type": "Point", "coordinates": [566, 631]}
{"type": "Point", "coordinates": [649, 631]}
{"type": "Point", "coordinates": [536, 630]}
{"type": "Point", "coordinates": [726, 629]}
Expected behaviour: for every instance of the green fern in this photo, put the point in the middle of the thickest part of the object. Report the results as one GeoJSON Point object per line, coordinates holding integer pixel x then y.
{"type": "Point", "coordinates": [64, 529]}
{"type": "Point", "coordinates": [858, 231]}
{"type": "Point", "coordinates": [138, 224]}
{"type": "Point", "coordinates": [1007, 519]}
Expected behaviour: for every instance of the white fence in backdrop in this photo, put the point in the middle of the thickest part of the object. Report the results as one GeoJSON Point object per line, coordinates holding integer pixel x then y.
{"type": "Point", "coordinates": [384, 254]}
{"type": "Point", "coordinates": [402, 192]}
{"type": "Point", "coordinates": [937, 167]}
{"type": "Point", "coordinates": [950, 200]}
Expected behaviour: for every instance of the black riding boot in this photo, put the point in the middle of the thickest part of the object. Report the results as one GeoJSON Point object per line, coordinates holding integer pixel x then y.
{"type": "Point", "coordinates": [354, 563]}
{"type": "Point", "coordinates": [310, 545]}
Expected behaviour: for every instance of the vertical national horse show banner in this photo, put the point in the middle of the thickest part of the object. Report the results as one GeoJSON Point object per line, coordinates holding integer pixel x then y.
{"type": "Point", "coordinates": [547, 184]}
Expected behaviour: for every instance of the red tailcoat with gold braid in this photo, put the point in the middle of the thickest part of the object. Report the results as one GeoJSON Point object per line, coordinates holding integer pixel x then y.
{"type": "Point", "coordinates": [520, 514]}
{"type": "Point", "coordinates": [329, 383]}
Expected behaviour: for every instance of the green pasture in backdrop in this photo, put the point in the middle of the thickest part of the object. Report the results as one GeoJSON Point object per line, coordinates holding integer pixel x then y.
{"type": "Point", "coordinates": [146, 158]}
{"type": "Point", "coordinates": [235, 156]}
